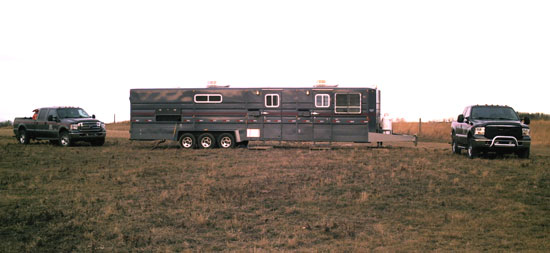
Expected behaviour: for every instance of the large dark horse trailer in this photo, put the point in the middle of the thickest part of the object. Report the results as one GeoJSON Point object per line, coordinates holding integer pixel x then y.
{"type": "Point", "coordinates": [223, 117]}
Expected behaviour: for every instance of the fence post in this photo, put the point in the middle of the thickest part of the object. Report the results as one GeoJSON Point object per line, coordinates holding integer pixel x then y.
{"type": "Point", "coordinates": [419, 126]}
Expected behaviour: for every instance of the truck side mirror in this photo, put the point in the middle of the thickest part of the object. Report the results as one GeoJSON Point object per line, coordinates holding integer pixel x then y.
{"type": "Point", "coordinates": [460, 118]}
{"type": "Point", "coordinates": [93, 116]}
{"type": "Point", "coordinates": [526, 121]}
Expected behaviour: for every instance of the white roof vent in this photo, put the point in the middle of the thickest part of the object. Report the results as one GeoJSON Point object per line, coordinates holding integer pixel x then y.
{"type": "Point", "coordinates": [323, 83]}
{"type": "Point", "coordinates": [212, 84]}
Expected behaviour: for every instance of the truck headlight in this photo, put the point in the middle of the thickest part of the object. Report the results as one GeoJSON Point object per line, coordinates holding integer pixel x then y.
{"type": "Point", "coordinates": [479, 131]}
{"type": "Point", "coordinates": [74, 126]}
{"type": "Point", "coordinates": [526, 131]}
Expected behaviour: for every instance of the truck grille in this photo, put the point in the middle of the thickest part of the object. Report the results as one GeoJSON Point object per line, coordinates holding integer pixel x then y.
{"type": "Point", "coordinates": [89, 126]}
{"type": "Point", "coordinates": [492, 131]}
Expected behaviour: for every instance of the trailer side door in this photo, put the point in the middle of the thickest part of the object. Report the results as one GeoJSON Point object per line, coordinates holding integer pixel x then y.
{"type": "Point", "coordinates": [272, 115]}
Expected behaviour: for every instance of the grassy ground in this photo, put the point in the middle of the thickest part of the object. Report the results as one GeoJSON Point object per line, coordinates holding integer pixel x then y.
{"type": "Point", "coordinates": [127, 197]}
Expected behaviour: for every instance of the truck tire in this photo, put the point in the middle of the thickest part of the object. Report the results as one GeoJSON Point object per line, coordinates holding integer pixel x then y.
{"type": "Point", "coordinates": [22, 137]}
{"type": "Point", "coordinates": [472, 152]}
{"type": "Point", "coordinates": [226, 140]}
{"type": "Point", "coordinates": [206, 141]}
{"type": "Point", "coordinates": [187, 141]}
{"type": "Point", "coordinates": [524, 153]}
{"type": "Point", "coordinates": [65, 139]}
{"type": "Point", "coordinates": [98, 142]}
{"type": "Point", "coordinates": [456, 149]}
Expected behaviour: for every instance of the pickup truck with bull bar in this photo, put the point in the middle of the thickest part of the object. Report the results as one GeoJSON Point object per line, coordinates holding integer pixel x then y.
{"type": "Point", "coordinates": [489, 128]}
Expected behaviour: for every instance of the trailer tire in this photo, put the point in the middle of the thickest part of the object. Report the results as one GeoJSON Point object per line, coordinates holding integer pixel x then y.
{"type": "Point", "coordinates": [187, 141]}
{"type": "Point", "coordinates": [22, 137]}
{"type": "Point", "coordinates": [206, 141]}
{"type": "Point", "coordinates": [226, 140]}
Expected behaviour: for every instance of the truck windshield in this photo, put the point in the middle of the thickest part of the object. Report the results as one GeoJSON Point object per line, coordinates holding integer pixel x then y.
{"type": "Point", "coordinates": [493, 112]}
{"type": "Point", "coordinates": [72, 113]}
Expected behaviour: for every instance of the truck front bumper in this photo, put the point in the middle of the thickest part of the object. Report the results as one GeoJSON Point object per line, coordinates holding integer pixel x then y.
{"type": "Point", "coordinates": [501, 143]}
{"type": "Point", "coordinates": [87, 135]}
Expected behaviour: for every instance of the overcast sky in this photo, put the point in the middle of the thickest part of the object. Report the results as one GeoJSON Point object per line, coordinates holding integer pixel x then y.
{"type": "Point", "coordinates": [429, 58]}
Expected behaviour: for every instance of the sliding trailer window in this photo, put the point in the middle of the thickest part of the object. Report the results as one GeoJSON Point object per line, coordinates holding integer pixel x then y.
{"type": "Point", "coordinates": [322, 100]}
{"type": "Point", "coordinates": [208, 98]}
{"type": "Point", "coordinates": [349, 103]}
{"type": "Point", "coordinates": [272, 100]}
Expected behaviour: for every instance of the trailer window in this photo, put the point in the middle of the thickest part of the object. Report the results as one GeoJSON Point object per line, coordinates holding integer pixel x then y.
{"type": "Point", "coordinates": [348, 103]}
{"type": "Point", "coordinates": [208, 98]}
{"type": "Point", "coordinates": [322, 100]}
{"type": "Point", "coordinates": [272, 100]}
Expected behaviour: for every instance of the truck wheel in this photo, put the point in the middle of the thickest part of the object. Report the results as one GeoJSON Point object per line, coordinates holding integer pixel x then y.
{"type": "Point", "coordinates": [455, 147]}
{"type": "Point", "coordinates": [64, 139]}
{"type": "Point", "coordinates": [226, 141]}
{"type": "Point", "coordinates": [523, 154]}
{"type": "Point", "coordinates": [98, 142]}
{"type": "Point", "coordinates": [206, 141]}
{"type": "Point", "coordinates": [23, 138]}
{"type": "Point", "coordinates": [187, 141]}
{"type": "Point", "coordinates": [472, 152]}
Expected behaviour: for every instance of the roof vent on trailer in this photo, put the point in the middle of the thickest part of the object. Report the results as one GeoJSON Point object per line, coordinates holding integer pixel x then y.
{"type": "Point", "coordinates": [212, 84]}
{"type": "Point", "coordinates": [323, 83]}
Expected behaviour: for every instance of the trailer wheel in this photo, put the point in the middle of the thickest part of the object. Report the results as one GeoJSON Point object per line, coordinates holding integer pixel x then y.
{"type": "Point", "coordinates": [23, 138]}
{"type": "Point", "coordinates": [206, 141]}
{"type": "Point", "coordinates": [226, 141]}
{"type": "Point", "coordinates": [187, 141]}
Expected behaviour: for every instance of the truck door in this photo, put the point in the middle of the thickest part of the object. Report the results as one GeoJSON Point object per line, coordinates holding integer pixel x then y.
{"type": "Point", "coordinates": [272, 115]}
{"type": "Point", "coordinates": [322, 128]}
{"type": "Point", "coordinates": [52, 130]}
{"type": "Point", "coordinates": [41, 124]}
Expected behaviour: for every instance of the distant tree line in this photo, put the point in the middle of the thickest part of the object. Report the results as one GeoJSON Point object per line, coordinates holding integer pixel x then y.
{"type": "Point", "coordinates": [534, 116]}
{"type": "Point", "coordinates": [6, 123]}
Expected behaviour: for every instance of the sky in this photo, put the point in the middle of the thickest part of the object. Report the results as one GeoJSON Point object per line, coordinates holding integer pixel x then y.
{"type": "Point", "coordinates": [430, 59]}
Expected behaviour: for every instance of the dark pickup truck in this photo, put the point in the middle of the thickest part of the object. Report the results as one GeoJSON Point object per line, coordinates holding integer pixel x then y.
{"type": "Point", "coordinates": [60, 125]}
{"type": "Point", "coordinates": [488, 128]}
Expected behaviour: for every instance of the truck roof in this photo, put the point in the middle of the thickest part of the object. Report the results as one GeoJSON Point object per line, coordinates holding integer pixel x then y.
{"type": "Point", "coordinates": [486, 105]}
{"type": "Point", "coordinates": [58, 107]}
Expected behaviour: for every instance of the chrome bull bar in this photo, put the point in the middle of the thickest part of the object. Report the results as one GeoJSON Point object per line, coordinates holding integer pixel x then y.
{"type": "Point", "coordinates": [498, 141]}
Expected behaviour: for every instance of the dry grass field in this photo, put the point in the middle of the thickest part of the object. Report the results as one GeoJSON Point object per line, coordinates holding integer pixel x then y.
{"type": "Point", "coordinates": [126, 196]}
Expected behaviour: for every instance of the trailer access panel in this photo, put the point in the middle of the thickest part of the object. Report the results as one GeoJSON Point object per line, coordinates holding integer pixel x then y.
{"type": "Point", "coordinates": [222, 117]}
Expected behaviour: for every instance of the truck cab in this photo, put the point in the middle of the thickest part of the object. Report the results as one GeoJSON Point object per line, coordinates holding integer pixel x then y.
{"type": "Point", "coordinates": [488, 128]}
